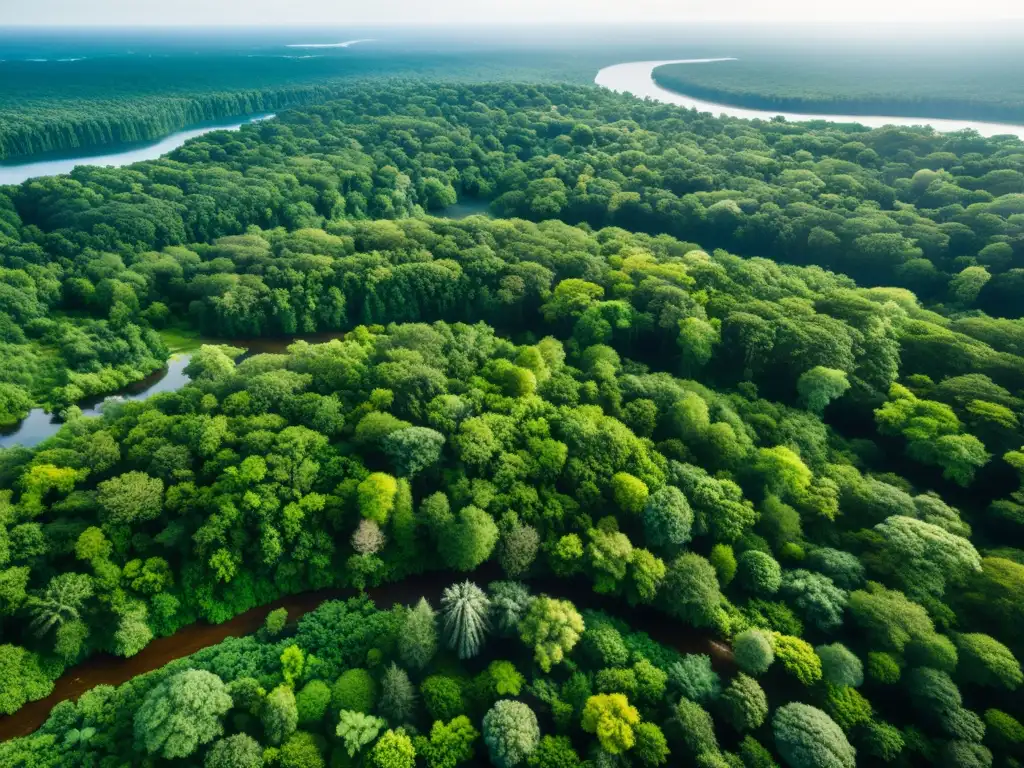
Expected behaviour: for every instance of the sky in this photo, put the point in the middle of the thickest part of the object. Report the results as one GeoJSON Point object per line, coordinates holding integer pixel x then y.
{"type": "Point", "coordinates": [355, 12]}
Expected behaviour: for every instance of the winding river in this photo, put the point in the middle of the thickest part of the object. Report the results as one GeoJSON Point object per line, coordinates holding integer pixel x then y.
{"type": "Point", "coordinates": [636, 77]}
{"type": "Point", "coordinates": [105, 669]}
{"type": "Point", "coordinates": [19, 172]}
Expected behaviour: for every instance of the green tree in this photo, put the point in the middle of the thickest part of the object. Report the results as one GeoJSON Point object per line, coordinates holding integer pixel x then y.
{"type": "Point", "coordinates": [819, 386]}
{"type": "Point", "coordinates": [668, 518]}
{"type": "Point", "coordinates": [181, 713]}
{"type": "Point", "coordinates": [312, 701]}
{"type": "Point", "coordinates": [417, 643]}
{"type": "Point", "coordinates": [376, 495]}
{"type": "Point", "coordinates": [357, 729]}
{"type": "Point", "coordinates": [808, 738]}
{"type": "Point", "coordinates": [238, 751]}
{"type": "Point", "coordinates": [744, 703]}
{"type": "Point", "coordinates": [464, 612]}
{"type": "Point", "coordinates": [393, 750]}
{"type": "Point", "coordinates": [469, 539]}
{"type": "Point", "coordinates": [397, 696]}
{"type": "Point", "coordinates": [693, 585]}
{"type": "Point", "coordinates": [840, 666]}
{"type": "Point", "coordinates": [753, 651]}
{"type": "Point", "coordinates": [413, 449]}
{"type": "Point", "coordinates": [986, 661]}
{"type": "Point", "coordinates": [449, 744]}
{"type": "Point", "coordinates": [612, 719]}
{"type": "Point", "coordinates": [694, 677]}
{"type": "Point", "coordinates": [511, 733]}
{"type": "Point", "coordinates": [133, 497]}
{"type": "Point", "coordinates": [552, 627]}
{"type": "Point", "coordinates": [758, 573]}
{"type": "Point", "coordinates": [280, 714]}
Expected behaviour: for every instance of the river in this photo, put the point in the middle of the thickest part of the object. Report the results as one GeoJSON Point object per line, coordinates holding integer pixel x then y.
{"type": "Point", "coordinates": [17, 173]}
{"type": "Point", "coordinates": [635, 77]}
{"type": "Point", "coordinates": [105, 669]}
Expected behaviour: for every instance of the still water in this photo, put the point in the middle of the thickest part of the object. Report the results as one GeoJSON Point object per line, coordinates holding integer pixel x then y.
{"type": "Point", "coordinates": [16, 174]}
{"type": "Point", "coordinates": [635, 77]}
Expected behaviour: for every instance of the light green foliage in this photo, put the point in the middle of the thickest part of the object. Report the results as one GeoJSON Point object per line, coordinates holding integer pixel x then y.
{"type": "Point", "coordinates": [840, 666]}
{"type": "Point", "coordinates": [280, 714]}
{"type": "Point", "coordinates": [417, 642]}
{"type": "Point", "coordinates": [924, 557]}
{"type": "Point", "coordinates": [986, 661]}
{"type": "Point", "coordinates": [744, 703]}
{"type": "Point", "coordinates": [882, 741]}
{"type": "Point", "coordinates": [469, 539]}
{"type": "Point", "coordinates": [566, 555]}
{"type": "Point", "coordinates": [808, 738]}
{"type": "Point", "coordinates": [819, 386]}
{"type": "Point", "coordinates": [464, 610]}
{"type": "Point", "coordinates": [393, 750]}
{"type": "Point", "coordinates": [847, 706]}
{"type": "Point", "coordinates": [883, 667]}
{"type": "Point", "coordinates": [356, 730]}
{"type": "Point", "coordinates": [397, 696]}
{"type": "Point", "coordinates": [616, 680]}
{"type": "Point", "coordinates": [292, 663]}
{"type": "Point", "coordinates": [611, 718]}
{"type": "Point", "coordinates": [276, 621]}
{"type": "Point", "coordinates": [933, 432]}
{"type": "Point", "coordinates": [552, 627]}
{"type": "Point", "coordinates": [630, 493]}
{"type": "Point", "coordinates": [301, 751]}
{"type": "Point", "coordinates": [505, 678]}
{"type": "Point", "coordinates": [238, 751]}
{"type": "Point", "coordinates": [376, 496]}
{"type": "Point", "coordinates": [312, 701]}
{"type": "Point", "coordinates": [609, 553]}
{"type": "Point", "coordinates": [1003, 730]}
{"type": "Point", "coordinates": [694, 678]}
{"type": "Point", "coordinates": [449, 744]}
{"type": "Point", "coordinates": [651, 682]}
{"type": "Point", "coordinates": [798, 658]}
{"type": "Point", "coordinates": [131, 497]}
{"type": "Point", "coordinates": [511, 733]}
{"type": "Point", "coordinates": [753, 651]}
{"type": "Point", "coordinates": [724, 561]}
{"type": "Point", "coordinates": [784, 472]}
{"type": "Point", "coordinates": [758, 573]}
{"type": "Point", "coordinates": [355, 690]}
{"type": "Point", "coordinates": [889, 618]}
{"type": "Point", "coordinates": [181, 713]}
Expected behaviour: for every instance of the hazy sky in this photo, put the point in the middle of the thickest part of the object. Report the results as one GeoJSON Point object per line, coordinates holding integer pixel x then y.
{"type": "Point", "coordinates": [352, 12]}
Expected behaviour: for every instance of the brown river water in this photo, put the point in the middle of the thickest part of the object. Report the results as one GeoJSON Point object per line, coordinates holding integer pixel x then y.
{"type": "Point", "coordinates": [105, 669]}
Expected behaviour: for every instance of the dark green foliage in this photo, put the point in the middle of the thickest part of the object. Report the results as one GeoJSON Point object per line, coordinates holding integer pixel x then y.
{"type": "Point", "coordinates": [694, 678]}
{"type": "Point", "coordinates": [442, 696]}
{"type": "Point", "coordinates": [355, 690]}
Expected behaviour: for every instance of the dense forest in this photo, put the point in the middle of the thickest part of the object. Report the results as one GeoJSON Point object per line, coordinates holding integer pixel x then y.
{"type": "Point", "coordinates": [738, 372]}
{"type": "Point", "coordinates": [871, 83]}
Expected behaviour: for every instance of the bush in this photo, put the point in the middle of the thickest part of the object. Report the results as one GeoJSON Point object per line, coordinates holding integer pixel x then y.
{"type": "Point", "coordinates": [355, 690]}
{"type": "Point", "coordinates": [442, 696]}
{"type": "Point", "coordinates": [312, 701]}
{"type": "Point", "coordinates": [883, 667]}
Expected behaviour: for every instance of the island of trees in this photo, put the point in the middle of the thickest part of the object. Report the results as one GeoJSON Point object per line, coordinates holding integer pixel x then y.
{"type": "Point", "coordinates": [739, 373]}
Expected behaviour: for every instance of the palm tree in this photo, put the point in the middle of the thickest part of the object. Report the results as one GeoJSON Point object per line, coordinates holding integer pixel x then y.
{"type": "Point", "coordinates": [61, 602]}
{"type": "Point", "coordinates": [465, 608]}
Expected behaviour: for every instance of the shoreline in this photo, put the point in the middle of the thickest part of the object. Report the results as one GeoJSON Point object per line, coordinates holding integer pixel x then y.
{"type": "Point", "coordinates": [637, 78]}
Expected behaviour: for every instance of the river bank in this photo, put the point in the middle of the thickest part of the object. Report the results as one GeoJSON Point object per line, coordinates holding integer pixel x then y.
{"type": "Point", "coordinates": [106, 669]}
{"type": "Point", "coordinates": [17, 173]}
{"type": "Point", "coordinates": [637, 78]}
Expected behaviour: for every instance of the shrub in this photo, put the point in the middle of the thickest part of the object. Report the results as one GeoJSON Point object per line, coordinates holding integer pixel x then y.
{"type": "Point", "coordinates": [442, 697]}
{"type": "Point", "coordinates": [312, 701]}
{"type": "Point", "coordinates": [356, 690]}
